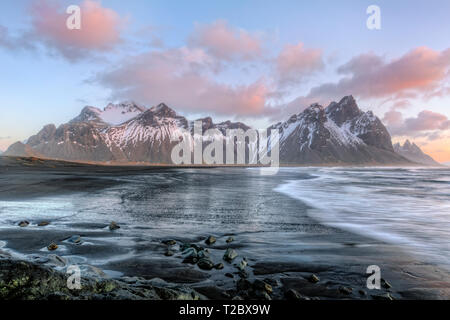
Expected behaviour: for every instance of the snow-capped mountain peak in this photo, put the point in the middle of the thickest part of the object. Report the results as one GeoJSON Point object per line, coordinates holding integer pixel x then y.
{"type": "Point", "coordinates": [112, 114]}
{"type": "Point", "coordinates": [162, 110]}
{"type": "Point", "coordinates": [128, 132]}
{"type": "Point", "coordinates": [88, 114]}
{"type": "Point", "coordinates": [339, 133]}
{"type": "Point", "coordinates": [126, 106]}
{"type": "Point", "coordinates": [116, 114]}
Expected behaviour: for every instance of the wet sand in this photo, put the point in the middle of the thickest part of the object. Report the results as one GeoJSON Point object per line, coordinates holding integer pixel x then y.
{"type": "Point", "coordinates": [283, 253]}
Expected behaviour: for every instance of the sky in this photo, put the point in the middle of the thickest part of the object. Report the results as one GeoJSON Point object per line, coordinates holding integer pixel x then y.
{"type": "Point", "coordinates": [255, 61]}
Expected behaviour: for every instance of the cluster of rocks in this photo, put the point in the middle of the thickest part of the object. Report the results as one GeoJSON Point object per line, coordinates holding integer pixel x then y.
{"type": "Point", "coordinates": [25, 280]}
{"type": "Point", "coordinates": [245, 289]}
{"type": "Point", "coordinates": [198, 255]}
{"type": "Point", "coordinates": [26, 223]}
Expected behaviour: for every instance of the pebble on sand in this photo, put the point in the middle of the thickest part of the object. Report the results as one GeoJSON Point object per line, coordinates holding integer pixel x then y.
{"type": "Point", "coordinates": [75, 239]}
{"type": "Point", "coordinates": [23, 224]}
{"type": "Point", "coordinates": [262, 285]}
{"type": "Point", "coordinates": [205, 264]}
{"type": "Point", "coordinates": [113, 226]}
{"type": "Point", "coordinates": [190, 256]}
{"type": "Point", "coordinates": [229, 255]}
{"type": "Point", "coordinates": [210, 240]}
{"type": "Point", "coordinates": [52, 246]}
{"type": "Point", "coordinates": [313, 278]}
{"type": "Point", "coordinates": [219, 266]}
{"type": "Point", "coordinates": [345, 290]}
{"type": "Point", "coordinates": [241, 266]}
{"type": "Point", "coordinates": [169, 242]}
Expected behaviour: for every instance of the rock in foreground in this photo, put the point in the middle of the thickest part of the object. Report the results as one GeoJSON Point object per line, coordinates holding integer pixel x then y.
{"type": "Point", "coordinates": [22, 280]}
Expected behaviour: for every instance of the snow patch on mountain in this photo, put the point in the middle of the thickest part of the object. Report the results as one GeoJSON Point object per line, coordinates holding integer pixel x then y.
{"type": "Point", "coordinates": [342, 135]}
{"type": "Point", "coordinates": [116, 114]}
{"type": "Point", "coordinates": [112, 114]}
{"type": "Point", "coordinates": [128, 132]}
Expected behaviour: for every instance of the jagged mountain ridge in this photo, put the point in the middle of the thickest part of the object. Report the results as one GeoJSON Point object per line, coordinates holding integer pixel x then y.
{"type": "Point", "coordinates": [112, 114]}
{"type": "Point", "coordinates": [338, 134]}
{"type": "Point", "coordinates": [412, 152]}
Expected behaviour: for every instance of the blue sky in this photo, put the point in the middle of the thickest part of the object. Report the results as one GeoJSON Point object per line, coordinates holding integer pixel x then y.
{"type": "Point", "coordinates": [45, 85]}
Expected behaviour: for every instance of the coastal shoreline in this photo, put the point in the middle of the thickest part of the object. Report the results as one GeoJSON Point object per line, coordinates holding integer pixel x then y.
{"type": "Point", "coordinates": [336, 258]}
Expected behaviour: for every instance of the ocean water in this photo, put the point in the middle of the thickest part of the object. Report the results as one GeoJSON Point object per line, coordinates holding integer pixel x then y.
{"type": "Point", "coordinates": [276, 217]}
{"type": "Point", "coordinates": [407, 207]}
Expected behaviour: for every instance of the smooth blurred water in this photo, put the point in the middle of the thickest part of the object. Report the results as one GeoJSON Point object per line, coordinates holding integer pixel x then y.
{"type": "Point", "coordinates": [186, 201]}
{"type": "Point", "coordinates": [407, 207]}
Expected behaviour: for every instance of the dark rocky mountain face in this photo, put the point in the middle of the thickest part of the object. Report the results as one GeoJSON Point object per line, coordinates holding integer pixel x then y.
{"type": "Point", "coordinates": [20, 149]}
{"type": "Point", "coordinates": [88, 114]}
{"type": "Point", "coordinates": [127, 132]}
{"type": "Point", "coordinates": [364, 125]}
{"type": "Point", "coordinates": [338, 134]}
{"type": "Point", "coordinates": [71, 141]}
{"type": "Point", "coordinates": [147, 137]}
{"type": "Point", "coordinates": [413, 153]}
{"type": "Point", "coordinates": [207, 124]}
{"type": "Point", "coordinates": [345, 110]}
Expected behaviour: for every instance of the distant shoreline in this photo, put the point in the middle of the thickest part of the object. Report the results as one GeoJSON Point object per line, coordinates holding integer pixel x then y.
{"type": "Point", "coordinates": [40, 160]}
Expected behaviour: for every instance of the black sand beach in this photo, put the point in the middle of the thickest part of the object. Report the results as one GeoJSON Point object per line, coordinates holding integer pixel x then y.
{"type": "Point", "coordinates": [281, 244]}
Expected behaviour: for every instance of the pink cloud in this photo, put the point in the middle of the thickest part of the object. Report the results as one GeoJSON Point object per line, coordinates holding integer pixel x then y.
{"type": "Point", "coordinates": [416, 74]}
{"type": "Point", "coordinates": [100, 28]}
{"type": "Point", "coordinates": [401, 104]}
{"type": "Point", "coordinates": [393, 118]}
{"type": "Point", "coordinates": [295, 62]}
{"type": "Point", "coordinates": [224, 42]}
{"type": "Point", "coordinates": [369, 76]}
{"type": "Point", "coordinates": [182, 78]}
{"type": "Point", "coordinates": [427, 122]}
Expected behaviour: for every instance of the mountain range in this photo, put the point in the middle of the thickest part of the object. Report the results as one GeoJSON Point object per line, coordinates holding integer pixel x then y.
{"type": "Point", "coordinates": [340, 133]}
{"type": "Point", "coordinates": [413, 153]}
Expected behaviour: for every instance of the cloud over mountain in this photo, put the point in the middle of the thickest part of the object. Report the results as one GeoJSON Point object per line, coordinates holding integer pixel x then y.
{"type": "Point", "coordinates": [295, 62]}
{"type": "Point", "coordinates": [426, 120]}
{"type": "Point", "coordinates": [225, 42]}
{"type": "Point", "coordinates": [419, 71]}
{"type": "Point", "coordinates": [183, 77]}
